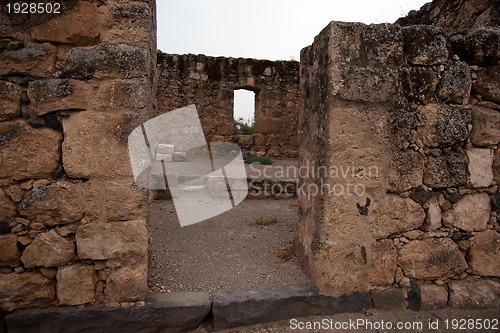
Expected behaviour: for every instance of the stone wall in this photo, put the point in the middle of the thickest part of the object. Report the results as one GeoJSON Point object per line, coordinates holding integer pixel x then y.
{"type": "Point", "coordinates": [455, 15]}
{"type": "Point", "coordinates": [209, 83]}
{"type": "Point", "coordinates": [73, 226]}
{"type": "Point", "coordinates": [399, 133]}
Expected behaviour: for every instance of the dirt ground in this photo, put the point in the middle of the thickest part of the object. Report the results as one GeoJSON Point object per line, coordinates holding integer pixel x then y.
{"type": "Point", "coordinates": [235, 250]}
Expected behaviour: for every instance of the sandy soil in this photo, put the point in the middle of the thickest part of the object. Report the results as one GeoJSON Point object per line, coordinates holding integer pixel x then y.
{"type": "Point", "coordinates": [235, 250]}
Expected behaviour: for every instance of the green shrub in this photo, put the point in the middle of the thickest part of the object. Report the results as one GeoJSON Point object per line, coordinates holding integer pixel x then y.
{"type": "Point", "coordinates": [244, 126]}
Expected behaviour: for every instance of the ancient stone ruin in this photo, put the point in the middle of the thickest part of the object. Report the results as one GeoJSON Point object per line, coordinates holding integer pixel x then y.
{"type": "Point", "coordinates": [397, 125]}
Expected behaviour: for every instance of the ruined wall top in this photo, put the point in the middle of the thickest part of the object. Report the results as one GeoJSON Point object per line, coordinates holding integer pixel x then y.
{"type": "Point", "coordinates": [457, 15]}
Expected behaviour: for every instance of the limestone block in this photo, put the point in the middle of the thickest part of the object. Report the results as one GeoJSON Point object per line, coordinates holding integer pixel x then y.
{"type": "Point", "coordinates": [425, 45]}
{"type": "Point", "coordinates": [496, 166]}
{"type": "Point", "coordinates": [164, 157]}
{"type": "Point", "coordinates": [385, 257]}
{"type": "Point", "coordinates": [48, 250]}
{"type": "Point", "coordinates": [7, 208]}
{"type": "Point", "coordinates": [26, 152]}
{"type": "Point", "coordinates": [104, 152]}
{"type": "Point", "coordinates": [431, 258]}
{"type": "Point", "coordinates": [28, 289]}
{"type": "Point", "coordinates": [114, 200]}
{"type": "Point", "coordinates": [432, 214]}
{"type": "Point", "coordinates": [36, 60]}
{"type": "Point", "coordinates": [473, 293]}
{"type": "Point", "coordinates": [442, 124]}
{"type": "Point", "coordinates": [75, 284]}
{"type": "Point", "coordinates": [390, 213]}
{"type": "Point", "coordinates": [471, 213]}
{"type": "Point", "coordinates": [432, 297]}
{"type": "Point", "coordinates": [127, 280]}
{"type": "Point", "coordinates": [164, 148]}
{"type": "Point", "coordinates": [80, 26]}
{"type": "Point", "coordinates": [9, 253]}
{"type": "Point", "coordinates": [108, 240]}
{"type": "Point", "coordinates": [446, 168]}
{"type": "Point", "coordinates": [15, 192]}
{"type": "Point", "coordinates": [108, 61]}
{"type": "Point", "coordinates": [484, 256]}
{"type": "Point", "coordinates": [55, 204]}
{"type": "Point", "coordinates": [480, 167]}
{"type": "Point", "coordinates": [369, 84]}
{"type": "Point", "coordinates": [488, 83]}
{"type": "Point", "coordinates": [419, 84]}
{"type": "Point", "coordinates": [455, 84]}
{"type": "Point", "coordinates": [131, 22]}
{"type": "Point", "coordinates": [406, 171]}
{"type": "Point", "coordinates": [486, 126]}
{"type": "Point", "coordinates": [10, 100]}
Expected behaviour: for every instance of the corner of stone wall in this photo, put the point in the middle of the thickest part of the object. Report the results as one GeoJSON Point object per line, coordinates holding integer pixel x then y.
{"type": "Point", "coordinates": [73, 225]}
{"type": "Point", "coordinates": [399, 132]}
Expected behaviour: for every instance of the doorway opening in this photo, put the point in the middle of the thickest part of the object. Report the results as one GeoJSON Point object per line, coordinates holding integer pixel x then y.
{"type": "Point", "coordinates": [244, 111]}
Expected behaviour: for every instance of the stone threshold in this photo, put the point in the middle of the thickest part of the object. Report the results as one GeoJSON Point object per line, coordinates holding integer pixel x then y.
{"type": "Point", "coordinates": [181, 311]}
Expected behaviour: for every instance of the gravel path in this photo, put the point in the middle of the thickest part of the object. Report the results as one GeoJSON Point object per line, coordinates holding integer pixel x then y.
{"type": "Point", "coordinates": [235, 250]}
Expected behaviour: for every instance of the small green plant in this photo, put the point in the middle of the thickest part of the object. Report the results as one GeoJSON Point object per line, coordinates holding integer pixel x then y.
{"type": "Point", "coordinates": [258, 160]}
{"type": "Point", "coordinates": [261, 221]}
{"type": "Point", "coordinates": [244, 126]}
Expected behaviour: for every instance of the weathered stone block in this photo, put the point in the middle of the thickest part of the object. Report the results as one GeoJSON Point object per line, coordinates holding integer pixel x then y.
{"type": "Point", "coordinates": [484, 255]}
{"type": "Point", "coordinates": [488, 83]}
{"type": "Point", "coordinates": [442, 124]}
{"type": "Point", "coordinates": [233, 308]}
{"type": "Point", "coordinates": [455, 84]}
{"type": "Point", "coordinates": [165, 312]}
{"type": "Point", "coordinates": [471, 213]}
{"type": "Point", "coordinates": [79, 26]}
{"type": "Point", "coordinates": [36, 60]}
{"type": "Point", "coordinates": [385, 258]}
{"type": "Point", "coordinates": [75, 284]}
{"type": "Point", "coordinates": [57, 203]}
{"type": "Point", "coordinates": [425, 45]}
{"type": "Point", "coordinates": [431, 258]}
{"type": "Point", "coordinates": [48, 250]}
{"type": "Point", "coordinates": [104, 152]}
{"type": "Point", "coordinates": [486, 126]}
{"type": "Point", "coordinates": [419, 84]}
{"type": "Point", "coordinates": [478, 46]}
{"type": "Point", "coordinates": [114, 200]}
{"type": "Point", "coordinates": [108, 61]}
{"type": "Point", "coordinates": [7, 208]}
{"type": "Point", "coordinates": [130, 22]}
{"type": "Point", "coordinates": [432, 214]}
{"type": "Point", "coordinates": [480, 167]}
{"type": "Point", "coordinates": [406, 171]}
{"type": "Point", "coordinates": [9, 253]}
{"type": "Point", "coordinates": [390, 213]}
{"type": "Point", "coordinates": [473, 293]}
{"type": "Point", "coordinates": [446, 168]}
{"type": "Point", "coordinates": [24, 290]}
{"type": "Point", "coordinates": [102, 241]}
{"type": "Point", "coordinates": [432, 297]}
{"type": "Point", "coordinates": [15, 192]}
{"type": "Point", "coordinates": [369, 84]}
{"type": "Point", "coordinates": [127, 280]}
{"type": "Point", "coordinates": [26, 152]}
{"type": "Point", "coordinates": [10, 100]}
